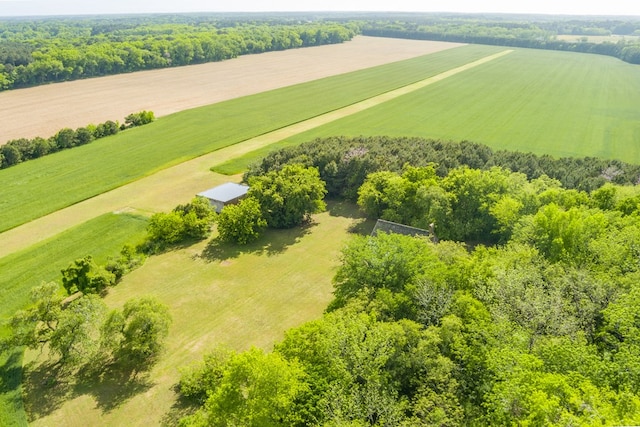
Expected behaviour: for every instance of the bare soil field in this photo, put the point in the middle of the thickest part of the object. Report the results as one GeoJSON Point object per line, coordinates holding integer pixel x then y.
{"type": "Point", "coordinates": [43, 110]}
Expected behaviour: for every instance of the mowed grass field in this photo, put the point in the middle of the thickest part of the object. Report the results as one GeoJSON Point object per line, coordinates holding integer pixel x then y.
{"type": "Point", "coordinates": [545, 102]}
{"type": "Point", "coordinates": [218, 295]}
{"type": "Point", "coordinates": [41, 186]}
{"type": "Point", "coordinates": [102, 237]}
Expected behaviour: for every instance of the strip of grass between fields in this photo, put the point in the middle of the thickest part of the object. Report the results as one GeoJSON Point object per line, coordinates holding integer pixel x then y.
{"type": "Point", "coordinates": [236, 165]}
{"type": "Point", "coordinates": [45, 185]}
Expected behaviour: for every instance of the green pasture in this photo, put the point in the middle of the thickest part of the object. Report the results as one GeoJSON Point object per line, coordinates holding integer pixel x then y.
{"type": "Point", "coordinates": [545, 102]}
{"type": "Point", "coordinates": [218, 295]}
{"type": "Point", "coordinates": [38, 187]}
{"type": "Point", "coordinates": [101, 238]}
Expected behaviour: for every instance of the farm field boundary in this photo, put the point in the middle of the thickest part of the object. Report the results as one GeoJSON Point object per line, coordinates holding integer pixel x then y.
{"type": "Point", "coordinates": [166, 91]}
{"type": "Point", "coordinates": [171, 186]}
{"type": "Point", "coordinates": [45, 185]}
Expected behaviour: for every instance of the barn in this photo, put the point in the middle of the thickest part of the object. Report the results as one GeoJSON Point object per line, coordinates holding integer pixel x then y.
{"type": "Point", "coordinates": [228, 193]}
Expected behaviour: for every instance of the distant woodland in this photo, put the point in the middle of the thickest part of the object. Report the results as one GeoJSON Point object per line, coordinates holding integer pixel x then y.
{"type": "Point", "coordinates": [535, 32]}
{"type": "Point", "coordinates": [44, 50]}
{"type": "Point", "coordinates": [38, 51]}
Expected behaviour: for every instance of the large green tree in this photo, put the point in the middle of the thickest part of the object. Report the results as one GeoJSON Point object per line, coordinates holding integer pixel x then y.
{"type": "Point", "coordinates": [77, 336]}
{"type": "Point", "coordinates": [34, 326]}
{"type": "Point", "coordinates": [289, 196]}
{"type": "Point", "coordinates": [135, 335]}
{"type": "Point", "coordinates": [241, 223]}
{"type": "Point", "coordinates": [252, 389]}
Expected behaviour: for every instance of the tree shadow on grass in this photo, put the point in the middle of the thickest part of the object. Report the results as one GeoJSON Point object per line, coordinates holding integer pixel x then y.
{"type": "Point", "coordinates": [49, 384]}
{"type": "Point", "coordinates": [345, 209]}
{"type": "Point", "coordinates": [111, 385]}
{"type": "Point", "coordinates": [46, 387]}
{"type": "Point", "coordinates": [271, 242]}
{"type": "Point", "coordinates": [181, 408]}
{"type": "Point", "coordinates": [11, 377]}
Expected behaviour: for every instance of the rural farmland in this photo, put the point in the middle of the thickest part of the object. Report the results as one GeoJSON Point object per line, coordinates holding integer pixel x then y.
{"type": "Point", "coordinates": [540, 101]}
{"type": "Point", "coordinates": [78, 103]}
{"type": "Point", "coordinates": [96, 198]}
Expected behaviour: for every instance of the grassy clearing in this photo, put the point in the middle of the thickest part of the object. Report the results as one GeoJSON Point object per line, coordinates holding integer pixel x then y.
{"type": "Point", "coordinates": [546, 102]}
{"type": "Point", "coordinates": [48, 184]}
{"type": "Point", "coordinates": [217, 295]}
{"type": "Point", "coordinates": [101, 237]}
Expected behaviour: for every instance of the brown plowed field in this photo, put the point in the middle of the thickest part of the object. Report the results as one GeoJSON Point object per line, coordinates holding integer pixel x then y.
{"type": "Point", "coordinates": [43, 110]}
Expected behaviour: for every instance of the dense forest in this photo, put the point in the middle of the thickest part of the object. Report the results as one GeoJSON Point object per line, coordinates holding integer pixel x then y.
{"type": "Point", "coordinates": [536, 32]}
{"type": "Point", "coordinates": [523, 313]}
{"type": "Point", "coordinates": [43, 50]}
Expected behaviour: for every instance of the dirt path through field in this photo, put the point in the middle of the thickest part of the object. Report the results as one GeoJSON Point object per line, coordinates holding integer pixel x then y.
{"type": "Point", "coordinates": [169, 187]}
{"type": "Point", "coordinates": [43, 110]}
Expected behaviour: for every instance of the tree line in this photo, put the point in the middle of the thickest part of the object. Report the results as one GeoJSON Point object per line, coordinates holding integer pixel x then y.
{"type": "Point", "coordinates": [23, 149]}
{"type": "Point", "coordinates": [524, 313]}
{"type": "Point", "coordinates": [528, 34]}
{"type": "Point", "coordinates": [38, 51]}
{"type": "Point", "coordinates": [344, 162]}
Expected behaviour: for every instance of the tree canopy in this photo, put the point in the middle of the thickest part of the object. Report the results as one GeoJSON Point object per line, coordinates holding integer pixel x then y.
{"type": "Point", "coordinates": [35, 51]}
{"type": "Point", "coordinates": [287, 197]}
{"type": "Point", "coordinates": [530, 318]}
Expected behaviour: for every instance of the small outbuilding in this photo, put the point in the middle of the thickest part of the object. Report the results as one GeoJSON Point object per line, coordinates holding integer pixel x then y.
{"type": "Point", "coordinates": [228, 193]}
{"type": "Point", "coordinates": [394, 227]}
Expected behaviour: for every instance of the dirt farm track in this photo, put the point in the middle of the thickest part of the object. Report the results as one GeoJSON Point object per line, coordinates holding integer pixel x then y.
{"type": "Point", "coordinates": [43, 110]}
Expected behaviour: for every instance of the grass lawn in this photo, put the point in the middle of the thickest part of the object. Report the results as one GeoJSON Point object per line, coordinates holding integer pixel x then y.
{"type": "Point", "coordinates": [218, 295]}
{"type": "Point", "coordinates": [101, 237]}
{"type": "Point", "coordinates": [545, 102]}
{"type": "Point", "coordinates": [41, 186]}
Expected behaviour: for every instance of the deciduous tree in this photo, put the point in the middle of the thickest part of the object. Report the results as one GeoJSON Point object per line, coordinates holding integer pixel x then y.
{"type": "Point", "coordinates": [241, 223]}
{"type": "Point", "coordinates": [289, 196]}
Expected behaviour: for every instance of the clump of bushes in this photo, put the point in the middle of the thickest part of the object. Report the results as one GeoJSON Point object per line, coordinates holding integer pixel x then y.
{"type": "Point", "coordinates": [192, 221]}
{"type": "Point", "coordinates": [85, 276]}
{"type": "Point", "coordinates": [24, 149]}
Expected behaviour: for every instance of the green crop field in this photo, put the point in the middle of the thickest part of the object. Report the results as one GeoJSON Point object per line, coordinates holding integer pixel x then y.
{"type": "Point", "coordinates": [101, 238]}
{"type": "Point", "coordinates": [546, 102]}
{"type": "Point", "coordinates": [38, 187]}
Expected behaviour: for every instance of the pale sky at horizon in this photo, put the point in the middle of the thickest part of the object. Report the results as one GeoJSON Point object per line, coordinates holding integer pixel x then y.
{"type": "Point", "coordinates": [84, 7]}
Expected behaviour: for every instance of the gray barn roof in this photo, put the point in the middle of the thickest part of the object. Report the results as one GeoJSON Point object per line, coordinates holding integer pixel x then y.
{"type": "Point", "coordinates": [225, 192]}
{"type": "Point", "coordinates": [394, 227]}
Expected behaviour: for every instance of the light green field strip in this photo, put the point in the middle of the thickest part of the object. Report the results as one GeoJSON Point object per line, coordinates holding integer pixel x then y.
{"type": "Point", "coordinates": [178, 184]}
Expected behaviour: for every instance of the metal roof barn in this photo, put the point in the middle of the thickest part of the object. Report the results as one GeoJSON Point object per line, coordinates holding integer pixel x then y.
{"type": "Point", "coordinates": [227, 193]}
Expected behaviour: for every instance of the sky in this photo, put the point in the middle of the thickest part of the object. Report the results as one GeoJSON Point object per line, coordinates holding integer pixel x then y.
{"type": "Point", "coordinates": [83, 7]}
